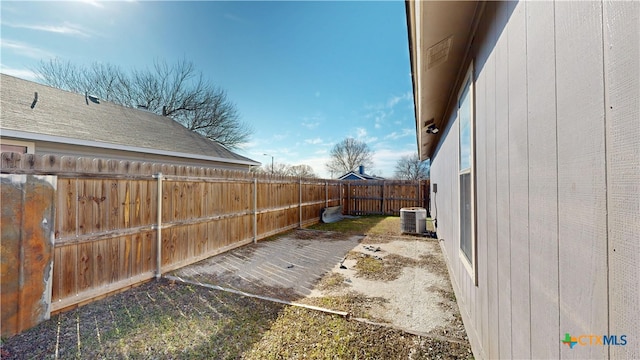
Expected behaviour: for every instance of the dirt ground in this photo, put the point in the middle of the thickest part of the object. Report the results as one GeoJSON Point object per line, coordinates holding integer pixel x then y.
{"type": "Point", "coordinates": [408, 279]}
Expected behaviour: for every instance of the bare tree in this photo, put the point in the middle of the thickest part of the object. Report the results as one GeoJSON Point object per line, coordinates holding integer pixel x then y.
{"type": "Point", "coordinates": [178, 91]}
{"type": "Point", "coordinates": [410, 167]}
{"type": "Point", "coordinates": [304, 171]}
{"type": "Point", "coordinates": [282, 169]}
{"type": "Point", "coordinates": [348, 155]}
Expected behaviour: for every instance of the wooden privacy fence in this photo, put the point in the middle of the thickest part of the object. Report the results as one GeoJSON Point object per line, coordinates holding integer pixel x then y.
{"type": "Point", "coordinates": [119, 223]}
{"type": "Point", "coordinates": [384, 197]}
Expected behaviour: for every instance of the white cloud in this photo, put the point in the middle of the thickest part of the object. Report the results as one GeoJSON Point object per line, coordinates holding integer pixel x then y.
{"type": "Point", "coordinates": [92, 3]}
{"type": "Point", "coordinates": [394, 100]}
{"type": "Point", "coordinates": [310, 125]}
{"type": "Point", "coordinates": [235, 18]}
{"type": "Point", "coordinates": [24, 49]}
{"type": "Point", "coordinates": [386, 159]}
{"type": "Point", "coordinates": [20, 73]}
{"type": "Point", "coordinates": [65, 29]}
{"type": "Point", "coordinates": [380, 113]}
{"type": "Point", "coordinates": [312, 122]}
{"type": "Point", "coordinates": [315, 141]}
{"type": "Point", "coordinates": [363, 135]}
{"type": "Point", "coordinates": [280, 137]}
{"type": "Point", "coordinates": [397, 135]}
{"type": "Point", "coordinates": [317, 164]}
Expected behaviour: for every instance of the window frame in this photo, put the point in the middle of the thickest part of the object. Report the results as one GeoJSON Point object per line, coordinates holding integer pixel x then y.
{"type": "Point", "coordinates": [468, 85]}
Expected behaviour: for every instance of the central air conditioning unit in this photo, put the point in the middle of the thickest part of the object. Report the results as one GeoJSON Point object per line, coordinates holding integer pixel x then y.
{"type": "Point", "coordinates": [413, 220]}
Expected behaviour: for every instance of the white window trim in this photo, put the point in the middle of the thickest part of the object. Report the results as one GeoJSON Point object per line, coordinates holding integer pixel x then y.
{"type": "Point", "coordinates": [31, 146]}
{"type": "Point", "coordinates": [470, 266]}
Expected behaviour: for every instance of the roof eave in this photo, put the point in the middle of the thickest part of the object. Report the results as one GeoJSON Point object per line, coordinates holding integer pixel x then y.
{"type": "Point", "coordinates": [71, 141]}
{"type": "Point", "coordinates": [429, 23]}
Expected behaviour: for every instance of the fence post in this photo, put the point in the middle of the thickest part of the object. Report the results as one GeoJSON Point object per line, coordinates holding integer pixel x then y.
{"type": "Point", "coordinates": [382, 202]}
{"type": "Point", "coordinates": [326, 194]}
{"type": "Point", "coordinates": [255, 210]}
{"type": "Point", "coordinates": [159, 228]}
{"type": "Point", "coordinates": [300, 202]}
{"type": "Point", "coordinates": [349, 198]}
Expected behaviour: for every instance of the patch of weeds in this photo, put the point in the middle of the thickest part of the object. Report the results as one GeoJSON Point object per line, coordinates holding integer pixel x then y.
{"type": "Point", "coordinates": [331, 282]}
{"type": "Point", "coordinates": [369, 267]}
{"type": "Point", "coordinates": [434, 263]}
{"type": "Point", "coordinates": [388, 268]}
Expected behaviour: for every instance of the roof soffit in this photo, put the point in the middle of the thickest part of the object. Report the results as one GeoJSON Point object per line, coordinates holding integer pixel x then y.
{"type": "Point", "coordinates": [440, 41]}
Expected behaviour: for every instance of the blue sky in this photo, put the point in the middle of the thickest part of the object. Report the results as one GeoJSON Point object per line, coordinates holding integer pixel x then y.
{"type": "Point", "coordinates": [304, 75]}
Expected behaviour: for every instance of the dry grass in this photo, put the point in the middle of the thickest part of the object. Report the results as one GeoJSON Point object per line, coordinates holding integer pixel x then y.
{"type": "Point", "coordinates": [357, 305]}
{"type": "Point", "coordinates": [168, 320]}
{"type": "Point", "coordinates": [331, 282]}
{"type": "Point", "coordinates": [155, 320]}
{"type": "Point", "coordinates": [300, 333]}
{"type": "Point", "coordinates": [363, 225]}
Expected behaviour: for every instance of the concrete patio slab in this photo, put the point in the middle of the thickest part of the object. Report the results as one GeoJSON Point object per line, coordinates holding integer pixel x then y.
{"type": "Point", "coordinates": [286, 268]}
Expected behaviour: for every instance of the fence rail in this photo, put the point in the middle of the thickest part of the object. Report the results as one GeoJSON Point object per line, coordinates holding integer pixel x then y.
{"type": "Point", "coordinates": [118, 223]}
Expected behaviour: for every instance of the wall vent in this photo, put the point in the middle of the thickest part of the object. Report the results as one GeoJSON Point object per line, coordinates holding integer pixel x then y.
{"type": "Point", "coordinates": [439, 53]}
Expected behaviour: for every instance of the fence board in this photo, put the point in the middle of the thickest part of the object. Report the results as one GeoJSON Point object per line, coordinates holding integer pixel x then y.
{"type": "Point", "coordinates": [125, 257]}
{"type": "Point", "coordinates": [100, 265]}
{"type": "Point", "coordinates": [149, 250]}
{"type": "Point", "coordinates": [85, 267]}
{"type": "Point", "coordinates": [99, 203]}
{"type": "Point", "coordinates": [66, 208]}
{"type": "Point", "coordinates": [85, 209]}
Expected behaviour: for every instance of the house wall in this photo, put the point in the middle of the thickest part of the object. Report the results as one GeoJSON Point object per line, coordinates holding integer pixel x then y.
{"type": "Point", "coordinates": [557, 181]}
{"type": "Point", "coordinates": [44, 147]}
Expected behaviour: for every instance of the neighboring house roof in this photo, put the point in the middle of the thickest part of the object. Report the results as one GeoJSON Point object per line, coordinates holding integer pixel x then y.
{"type": "Point", "coordinates": [360, 175]}
{"type": "Point", "coordinates": [64, 117]}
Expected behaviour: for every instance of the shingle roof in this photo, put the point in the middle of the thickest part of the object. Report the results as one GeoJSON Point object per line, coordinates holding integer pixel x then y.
{"type": "Point", "coordinates": [65, 114]}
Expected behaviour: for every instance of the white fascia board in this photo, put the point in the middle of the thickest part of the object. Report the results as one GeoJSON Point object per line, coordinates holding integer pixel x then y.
{"type": "Point", "coordinates": [351, 173]}
{"type": "Point", "coordinates": [418, 75]}
{"type": "Point", "coordinates": [98, 144]}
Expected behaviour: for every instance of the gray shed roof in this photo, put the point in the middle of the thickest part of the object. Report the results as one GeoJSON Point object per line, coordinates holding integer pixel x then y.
{"type": "Point", "coordinates": [62, 116]}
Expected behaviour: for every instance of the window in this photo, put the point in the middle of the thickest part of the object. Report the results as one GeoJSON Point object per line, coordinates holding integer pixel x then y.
{"type": "Point", "coordinates": [465, 172]}
{"type": "Point", "coordinates": [13, 148]}
{"type": "Point", "coordinates": [22, 147]}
